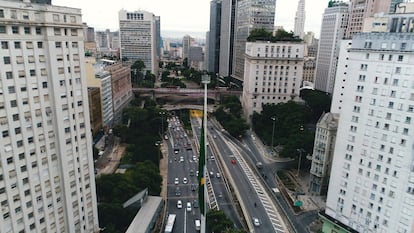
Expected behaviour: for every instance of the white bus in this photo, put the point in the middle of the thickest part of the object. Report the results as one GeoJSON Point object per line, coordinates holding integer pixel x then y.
{"type": "Point", "coordinates": [170, 223]}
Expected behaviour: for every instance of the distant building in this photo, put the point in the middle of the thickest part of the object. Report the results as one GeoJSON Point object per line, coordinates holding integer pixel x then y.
{"type": "Point", "coordinates": [138, 38]}
{"type": "Point", "coordinates": [393, 5]}
{"type": "Point", "coordinates": [97, 77]}
{"type": "Point", "coordinates": [273, 74]}
{"type": "Point", "coordinates": [250, 15]}
{"type": "Point", "coordinates": [95, 109]}
{"type": "Point", "coordinates": [195, 58]}
{"type": "Point", "coordinates": [360, 10]}
{"type": "Point", "coordinates": [107, 43]}
{"type": "Point", "coordinates": [323, 149]}
{"type": "Point", "coordinates": [213, 42]}
{"type": "Point", "coordinates": [188, 41]}
{"type": "Point", "coordinates": [309, 65]}
{"type": "Point", "coordinates": [121, 88]}
{"type": "Point", "coordinates": [88, 33]}
{"type": "Point", "coordinates": [299, 29]}
{"type": "Point", "coordinates": [333, 28]}
{"type": "Point", "coordinates": [228, 20]}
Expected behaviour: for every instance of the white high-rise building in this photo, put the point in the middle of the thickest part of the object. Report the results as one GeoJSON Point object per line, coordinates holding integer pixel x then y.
{"type": "Point", "coordinates": [273, 74]}
{"type": "Point", "coordinates": [333, 28]}
{"type": "Point", "coordinates": [46, 165]}
{"type": "Point", "coordinates": [138, 38]}
{"type": "Point", "coordinates": [299, 29]}
{"type": "Point", "coordinates": [371, 185]}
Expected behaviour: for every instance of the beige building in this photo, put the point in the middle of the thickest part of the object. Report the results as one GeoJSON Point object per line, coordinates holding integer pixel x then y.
{"type": "Point", "coordinates": [273, 74]}
{"type": "Point", "coordinates": [121, 88]}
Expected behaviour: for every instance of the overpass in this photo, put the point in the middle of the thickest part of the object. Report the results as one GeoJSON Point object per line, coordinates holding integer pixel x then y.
{"type": "Point", "coordinates": [215, 94]}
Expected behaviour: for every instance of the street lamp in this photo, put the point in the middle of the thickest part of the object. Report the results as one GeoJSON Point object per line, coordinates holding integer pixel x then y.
{"type": "Point", "coordinates": [300, 157]}
{"type": "Point", "coordinates": [273, 118]}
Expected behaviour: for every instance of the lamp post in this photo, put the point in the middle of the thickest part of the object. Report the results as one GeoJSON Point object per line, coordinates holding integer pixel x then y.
{"type": "Point", "coordinates": [273, 118]}
{"type": "Point", "coordinates": [300, 157]}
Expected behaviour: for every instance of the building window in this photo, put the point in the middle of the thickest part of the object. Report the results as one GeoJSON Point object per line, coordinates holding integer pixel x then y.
{"type": "Point", "coordinates": [6, 60]}
{"type": "Point", "coordinates": [15, 30]}
{"type": "Point", "coordinates": [1, 13]}
{"type": "Point", "coordinates": [38, 31]}
{"type": "Point", "coordinates": [40, 44]}
{"type": "Point", "coordinates": [27, 30]}
{"type": "Point", "coordinates": [9, 75]}
{"type": "Point", "coordinates": [5, 45]}
{"type": "Point", "coordinates": [58, 44]}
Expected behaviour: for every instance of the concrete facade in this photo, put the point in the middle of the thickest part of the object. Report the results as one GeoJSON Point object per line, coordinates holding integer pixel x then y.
{"type": "Point", "coordinates": [47, 172]}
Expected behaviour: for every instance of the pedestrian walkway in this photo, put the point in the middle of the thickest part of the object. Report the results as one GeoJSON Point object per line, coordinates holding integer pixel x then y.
{"type": "Point", "coordinates": [265, 150]}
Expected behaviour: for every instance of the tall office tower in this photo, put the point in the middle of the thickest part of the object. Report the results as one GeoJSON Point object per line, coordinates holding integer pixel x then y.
{"type": "Point", "coordinates": [88, 33]}
{"type": "Point", "coordinates": [138, 39]}
{"type": "Point", "coordinates": [188, 41]}
{"type": "Point", "coordinates": [394, 4]}
{"type": "Point", "coordinates": [371, 187]}
{"type": "Point", "coordinates": [299, 29]}
{"type": "Point", "coordinates": [251, 14]}
{"type": "Point", "coordinates": [333, 28]}
{"type": "Point", "coordinates": [158, 40]}
{"type": "Point", "coordinates": [228, 18]}
{"type": "Point", "coordinates": [362, 9]}
{"type": "Point", "coordinates": [273, 74]}
{"type": "Point", "coordinates": [47, 174]}
{"type": "Point", "coordinates": [213, 52]}
{"type": "Point", "coordinates": [102, 39]}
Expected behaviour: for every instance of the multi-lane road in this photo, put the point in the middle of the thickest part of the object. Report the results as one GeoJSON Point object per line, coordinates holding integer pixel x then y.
{"type": "Point", "coordinates": [234, 185]}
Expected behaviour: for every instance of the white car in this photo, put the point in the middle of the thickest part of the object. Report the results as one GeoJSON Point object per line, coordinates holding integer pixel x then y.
{"type": "Point", "coordinates": [218, 175]}
{"type": "Point", "coordinates": [185, 181]}
{"type": "Point", "coordinates": [179, 204]}
{"type": "Point", "coordinates": [181, 159]}
{"type": "Point", "coordinates": [176, 180]}
{"type": "Point", "coordinates": [188, 206]}
{"type": "Point", "coordinates": [256, 222]}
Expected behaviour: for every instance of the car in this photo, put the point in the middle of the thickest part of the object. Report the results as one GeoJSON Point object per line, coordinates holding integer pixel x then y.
{"type": "Point", "coordinates": [185, 181]}
{"type": "Point", "coordinates": [211, 174]}
{"type": "Point", "coordinates": [179, 204]}
{"type": "Point", "coordinates": [195, 204]}
{"type": "Point", "coordinates": [233, 161]}
{"type": "Point", "coordinates": [176, 180]}
{"type": "Point", "coordinates": [193, 187]}
{"type": "Point", "coordinates": [212, 157]}
{"type": "Point", "coordinates": [256, 222]}
{"type": "Point", "coordinates": [194, 158]}
{"type": "Point", "coordinates": [218, 175]}
{"type": "Point", "coordinates": [191, 172]}
{"type": "Point", "coordinates": [214, 136]}
{"type": "Point", "coordinates": [197, 173]}
{"type": "Point", "coordinates": [177, 192]}
{"type": "Point", "coordinates": [220, 195]}
{"type": "Point", "coordinates": [188, 207]}
{"type": "Point", "coordinates": [181, 159]}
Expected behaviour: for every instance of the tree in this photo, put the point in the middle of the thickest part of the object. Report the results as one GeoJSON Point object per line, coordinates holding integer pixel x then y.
{"type": "Point", "coordinates": [217, 222]}
{"type": "Point", "coordinates": [136, 71]}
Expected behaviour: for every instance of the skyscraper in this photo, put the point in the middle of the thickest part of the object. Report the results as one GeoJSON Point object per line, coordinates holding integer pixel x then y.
{"type": "Point", "coordinates": [188, 41]}
{"type": "Point", "coordinates": [47, 174]}
{"type": "Point", "coordinates": [333, 28]}
{"type": "Point", "coordinates": [228, 18]}
{"type": "Point", "coordinates": [372, 180]}
{"type": "Point", "coordinates": [251, 14]}
{"type": "Point", "coordinates": [213, 52]}
{"type": "Point", "coordinates": [138, 38]}
{"type": "Point", "coordinates": [299, 29]}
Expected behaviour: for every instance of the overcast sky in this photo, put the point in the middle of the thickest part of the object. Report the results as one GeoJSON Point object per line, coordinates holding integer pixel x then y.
{"type": "Point", "coordinates": [185, 15]}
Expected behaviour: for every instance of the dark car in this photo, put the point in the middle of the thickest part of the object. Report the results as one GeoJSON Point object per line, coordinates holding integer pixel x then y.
{"type": "Point", "coordinates": [193, 187]}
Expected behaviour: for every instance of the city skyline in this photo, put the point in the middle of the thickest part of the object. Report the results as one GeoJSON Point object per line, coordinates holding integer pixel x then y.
{"type": "Point", "coordinates": [175, 24]}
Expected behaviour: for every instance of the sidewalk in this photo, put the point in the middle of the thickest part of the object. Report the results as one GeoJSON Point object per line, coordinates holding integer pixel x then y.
{"type": "Point", "coordinates": [265, 150]}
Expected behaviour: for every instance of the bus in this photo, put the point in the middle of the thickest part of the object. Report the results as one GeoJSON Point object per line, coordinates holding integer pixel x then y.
{"type": "Point", "coordinates": [170, 223]}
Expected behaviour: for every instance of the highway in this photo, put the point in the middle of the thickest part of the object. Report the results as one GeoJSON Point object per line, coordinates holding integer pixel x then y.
{"type": "Point", "coordinates": [253, 197]}
{"type": "Point", "coordinates": [179, 166]}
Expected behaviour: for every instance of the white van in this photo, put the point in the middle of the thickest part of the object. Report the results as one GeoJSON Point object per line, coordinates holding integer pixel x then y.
{"type": "Point", "coordinates": [197, 224]}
